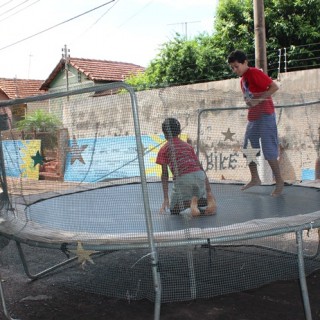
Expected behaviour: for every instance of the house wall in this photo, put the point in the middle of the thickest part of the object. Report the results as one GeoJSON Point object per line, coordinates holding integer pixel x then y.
{"type": "Point", "coordinates": [5, 111]}
{"type": "Point", "coordinates": [75, 80]}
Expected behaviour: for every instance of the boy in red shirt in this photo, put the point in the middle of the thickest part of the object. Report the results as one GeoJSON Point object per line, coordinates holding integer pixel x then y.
{"type": "Point", "coordinates": [191, 188]}
{"type": "Point", "coordinates": [257, 90]}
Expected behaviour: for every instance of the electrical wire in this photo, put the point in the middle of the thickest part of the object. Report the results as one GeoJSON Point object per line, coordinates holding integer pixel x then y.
{"type": "Point", "coordinates": [5, 3]}
{"type": "Point", "coordinates": [130, 18]}
{"type": "Point", "coordinates": [13, 14]}
{"type": "Point", "coordinates": [135, 14]}
{"type": "Point", "coordinates": [103, 15]}
{"type": "Point", "coordinates": [18, 5]}
{"type": "Point", "coordinates": [57, 25]}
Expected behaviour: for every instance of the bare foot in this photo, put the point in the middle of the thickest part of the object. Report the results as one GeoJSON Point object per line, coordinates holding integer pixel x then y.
{"type": "Point", "coordinates": [212, 206]}
{"type": "Point", "coordinates": [252, 183]}
{"type": "Point", "coordinates": [278, 189]}
{"type": "Point", "coordinates": [210, 210]}
{"type": "Point", "coordinates": [194, 207]}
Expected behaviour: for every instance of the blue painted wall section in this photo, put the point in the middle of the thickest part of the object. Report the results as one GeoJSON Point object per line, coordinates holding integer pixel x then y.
{"type": "Point", "coordinates": [94, 160]}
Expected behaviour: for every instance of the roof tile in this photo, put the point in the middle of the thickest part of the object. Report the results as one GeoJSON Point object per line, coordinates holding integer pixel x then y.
{"type": "Point", "coordinates": [97, 70]}
{"type": "Point", "coordinates": [20, 88]}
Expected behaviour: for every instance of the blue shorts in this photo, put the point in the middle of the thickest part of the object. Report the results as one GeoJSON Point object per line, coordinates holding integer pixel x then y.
{"type": "Point", "coordinates": [265, 129]}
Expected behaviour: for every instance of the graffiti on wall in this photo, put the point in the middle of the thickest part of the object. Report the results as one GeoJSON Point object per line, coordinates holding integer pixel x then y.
{"type": "Point", "coordinates": [22, 158]}
{"type": "Point", "coordinates": [218, 161]}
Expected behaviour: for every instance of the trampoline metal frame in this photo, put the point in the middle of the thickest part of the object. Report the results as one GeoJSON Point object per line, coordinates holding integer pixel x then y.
{"type": "Point", "coordinates": [298, 231]}
{"type": "Point", "coordinates": [140, 152]}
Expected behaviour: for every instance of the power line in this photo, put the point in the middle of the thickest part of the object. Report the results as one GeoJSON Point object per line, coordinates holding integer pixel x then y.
{"type": "Point", "coordinates": [5, 3]}
{"type": "Point", "coordinates": [131, 17]}
{"type": "Point", "coordinates": [102, 15]}
{"type": "Point", "coordinates": [59, 24]}
{"type": "Point", "coordinates": [135, 14]}
{"type": "Point", "coordinates": [13, 14]}
{"type": "Point", "coordinates": [18, 5]}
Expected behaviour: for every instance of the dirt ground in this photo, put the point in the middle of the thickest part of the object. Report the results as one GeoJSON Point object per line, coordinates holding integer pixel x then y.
{"type": "Point", "coordinates": [279, 300]}
{"type": "Point", "coordinates": [42, 299]}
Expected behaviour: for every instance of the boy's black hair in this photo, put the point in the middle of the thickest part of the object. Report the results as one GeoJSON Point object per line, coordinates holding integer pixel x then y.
{"type": "Point", "coordinates": [238, 56]}
{"type": "Point", "coordinates": [171, 127]}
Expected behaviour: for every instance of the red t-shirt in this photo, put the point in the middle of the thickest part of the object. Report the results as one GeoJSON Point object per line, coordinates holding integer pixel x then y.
{"type": "Point", "coordinates": [179, 156]}
{"type": "Point", "coordinates": [255, 81]}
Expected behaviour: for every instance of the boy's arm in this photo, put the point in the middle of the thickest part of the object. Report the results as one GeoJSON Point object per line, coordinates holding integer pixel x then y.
{"type": "Point", "coordinates": [258, 98]}
{"type": "Point", "coordinates": [165, 188]}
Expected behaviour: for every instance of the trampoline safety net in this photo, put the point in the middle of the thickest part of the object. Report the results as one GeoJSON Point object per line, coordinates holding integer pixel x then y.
{"type": "Point", "coordinates": [91, 190]}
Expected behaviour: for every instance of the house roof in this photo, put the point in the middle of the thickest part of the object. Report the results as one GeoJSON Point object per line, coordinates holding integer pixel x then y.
{"type": "Point", "coordinates": [96, 70]}
{"type": "Point", "coordinates": [20, 88]}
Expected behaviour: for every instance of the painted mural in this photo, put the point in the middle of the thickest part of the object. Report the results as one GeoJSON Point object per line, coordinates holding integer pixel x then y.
{"type": "Point", "coordinates": [22, 158]}
{"type": "Point", "coordinates": [100, 159]}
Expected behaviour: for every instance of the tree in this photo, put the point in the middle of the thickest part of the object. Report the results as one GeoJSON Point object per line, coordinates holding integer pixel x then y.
{"type": "Point", "coordinates": [183, 61]}
{"type": "Point", "coordinates": [234, 26]}
{"type": "Point", "coordinates": [294, 25]}
{"type": "Point", "coordinates": [41, 125]}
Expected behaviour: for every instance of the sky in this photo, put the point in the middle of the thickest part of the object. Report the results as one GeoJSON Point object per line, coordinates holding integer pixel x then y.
{"type": "Point", "coordinates": [35, 32]}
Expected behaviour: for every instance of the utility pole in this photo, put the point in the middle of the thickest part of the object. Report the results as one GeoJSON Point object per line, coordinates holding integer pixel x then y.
{"type": "Point", "coordinates": [66, 58]}
{"type": "Point", "coordinates": [260, 36]}
{"type": "Point", "coordinates": [185, 24]}
{"type": "Point", "coordinates": [29, 67]}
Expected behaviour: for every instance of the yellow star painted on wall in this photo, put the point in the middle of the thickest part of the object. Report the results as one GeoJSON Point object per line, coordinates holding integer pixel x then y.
{"type": "Point", "coordinates": [251, 153]}
{"type": "Point", "coordinates": [83, 255]}
{"type": "Point", "coordinates": [228, 135]}
{"type": "Point", "coordinates": [76, 151]}
{"type": "Point", "coordinates": [37, 159]}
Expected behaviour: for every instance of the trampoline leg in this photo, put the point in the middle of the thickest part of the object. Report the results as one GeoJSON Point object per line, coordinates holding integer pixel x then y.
{"type": "Point", "coordinates": [44, 272]}
{"type": "Point", "coordinates": [302, 277]}
{"type": "Point", "coordinates": [157, 304]}
{"type": "Point", "coordinates": [4, 306]}
{"type": "Point", "coordinates": [193, 287]}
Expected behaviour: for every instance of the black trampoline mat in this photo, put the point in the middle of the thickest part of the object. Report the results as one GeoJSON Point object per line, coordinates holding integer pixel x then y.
{"type": "Point", "coordinates": [120, 209]}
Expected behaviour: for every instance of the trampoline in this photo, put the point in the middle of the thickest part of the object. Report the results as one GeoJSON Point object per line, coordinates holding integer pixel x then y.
{"type": "Point", "coordinates": [252, 215]}
{"type": "Point", "coordinates": [108, 203]}
{"type": "Point", "coordinates": [105, 222]}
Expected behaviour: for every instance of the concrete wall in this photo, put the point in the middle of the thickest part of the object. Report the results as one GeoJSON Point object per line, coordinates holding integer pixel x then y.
{"type": "Point", "coordinates": [299, 127]}
{"type": "Point", "coordinates": [220, 134]}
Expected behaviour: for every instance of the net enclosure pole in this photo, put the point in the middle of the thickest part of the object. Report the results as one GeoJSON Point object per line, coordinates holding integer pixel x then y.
{"type": "Point", "coordinates": [4, 196]}
{"type": "Point", "coordinates": [302, 277]}
{"type": "Point", "coordinates": [154, 258]}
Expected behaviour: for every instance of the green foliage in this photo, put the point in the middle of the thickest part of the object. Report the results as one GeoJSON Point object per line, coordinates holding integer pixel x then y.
{"type": "Point", "coordinates": [234, 26]}
{"type": "Point", "coordinates": [41, 125]}
{"type": "Point", "coordinates": [183, 61]}
{"type": "Point", "coordinates": [293, 25]}
{"type": "Point", "coordinates": [39, 121]}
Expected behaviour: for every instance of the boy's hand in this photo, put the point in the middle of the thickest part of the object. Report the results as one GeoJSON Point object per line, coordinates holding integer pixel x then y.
{"type": "Point", "coordinates": [165, 206]}
{"type": "Point", "coordinates": [251, 102]}
{"type": "Point", "coordinates": [254, 101]}
{"type": "Point", "coordinates": [248, 102]}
